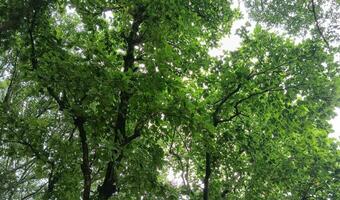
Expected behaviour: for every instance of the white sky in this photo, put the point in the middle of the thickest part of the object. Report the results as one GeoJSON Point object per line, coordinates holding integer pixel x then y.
{"type": "Point", "coordinates": [336, 125]}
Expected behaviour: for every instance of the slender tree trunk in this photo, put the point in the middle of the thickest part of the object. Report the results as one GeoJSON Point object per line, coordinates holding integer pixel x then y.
{"type": "Point", "coordinates": [109, 187]}
{"type": "Point", "coordinates": [85, 166]}
{"type": "Point", "coordinates": [207, 176]}
{"type": "Point", "coordinates": [52, 179]}
{"type": "Point", "coordinates": [78, 121]}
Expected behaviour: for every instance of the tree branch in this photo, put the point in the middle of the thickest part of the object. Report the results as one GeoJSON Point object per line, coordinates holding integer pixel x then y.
{"type": "Point", "coordinates": [222, 101]}
{"type": "Point", "coordinates": [318, 25]}
{"type": "Point", "coordinates": [237, 112]}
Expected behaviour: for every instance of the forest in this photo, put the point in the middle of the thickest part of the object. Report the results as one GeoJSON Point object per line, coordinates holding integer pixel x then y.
{"type": "Point", "coordinates": [122, 99]}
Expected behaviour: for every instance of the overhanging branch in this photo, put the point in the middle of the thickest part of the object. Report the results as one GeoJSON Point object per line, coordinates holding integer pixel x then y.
{"type": "Point", "coordinates": [318, 25]}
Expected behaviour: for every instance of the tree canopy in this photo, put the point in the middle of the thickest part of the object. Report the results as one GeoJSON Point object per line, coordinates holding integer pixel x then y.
{"type": "Point", "coordinates": [103, 99]}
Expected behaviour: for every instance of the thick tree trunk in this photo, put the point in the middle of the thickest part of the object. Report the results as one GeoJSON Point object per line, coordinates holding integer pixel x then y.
{"type": "Point", "coordinates": [108, 188]}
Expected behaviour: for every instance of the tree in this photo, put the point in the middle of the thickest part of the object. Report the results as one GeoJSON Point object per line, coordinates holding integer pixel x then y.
{"type": "Point", "coordinates": [316, 17]}
{"type": "Point", "coordinates": [101, 98]}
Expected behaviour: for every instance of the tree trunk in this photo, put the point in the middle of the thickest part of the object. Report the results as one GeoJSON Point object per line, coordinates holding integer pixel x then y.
{"type": "Point", "coordinates": [108, 188]}
{"type": "Point", "coordinates": [207, 175]}
{"type": "Point", "coordinates": [85, 166]}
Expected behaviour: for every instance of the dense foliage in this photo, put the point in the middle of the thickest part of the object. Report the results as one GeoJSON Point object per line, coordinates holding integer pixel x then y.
{"type": "Point", "coordinates": [103, 99]}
